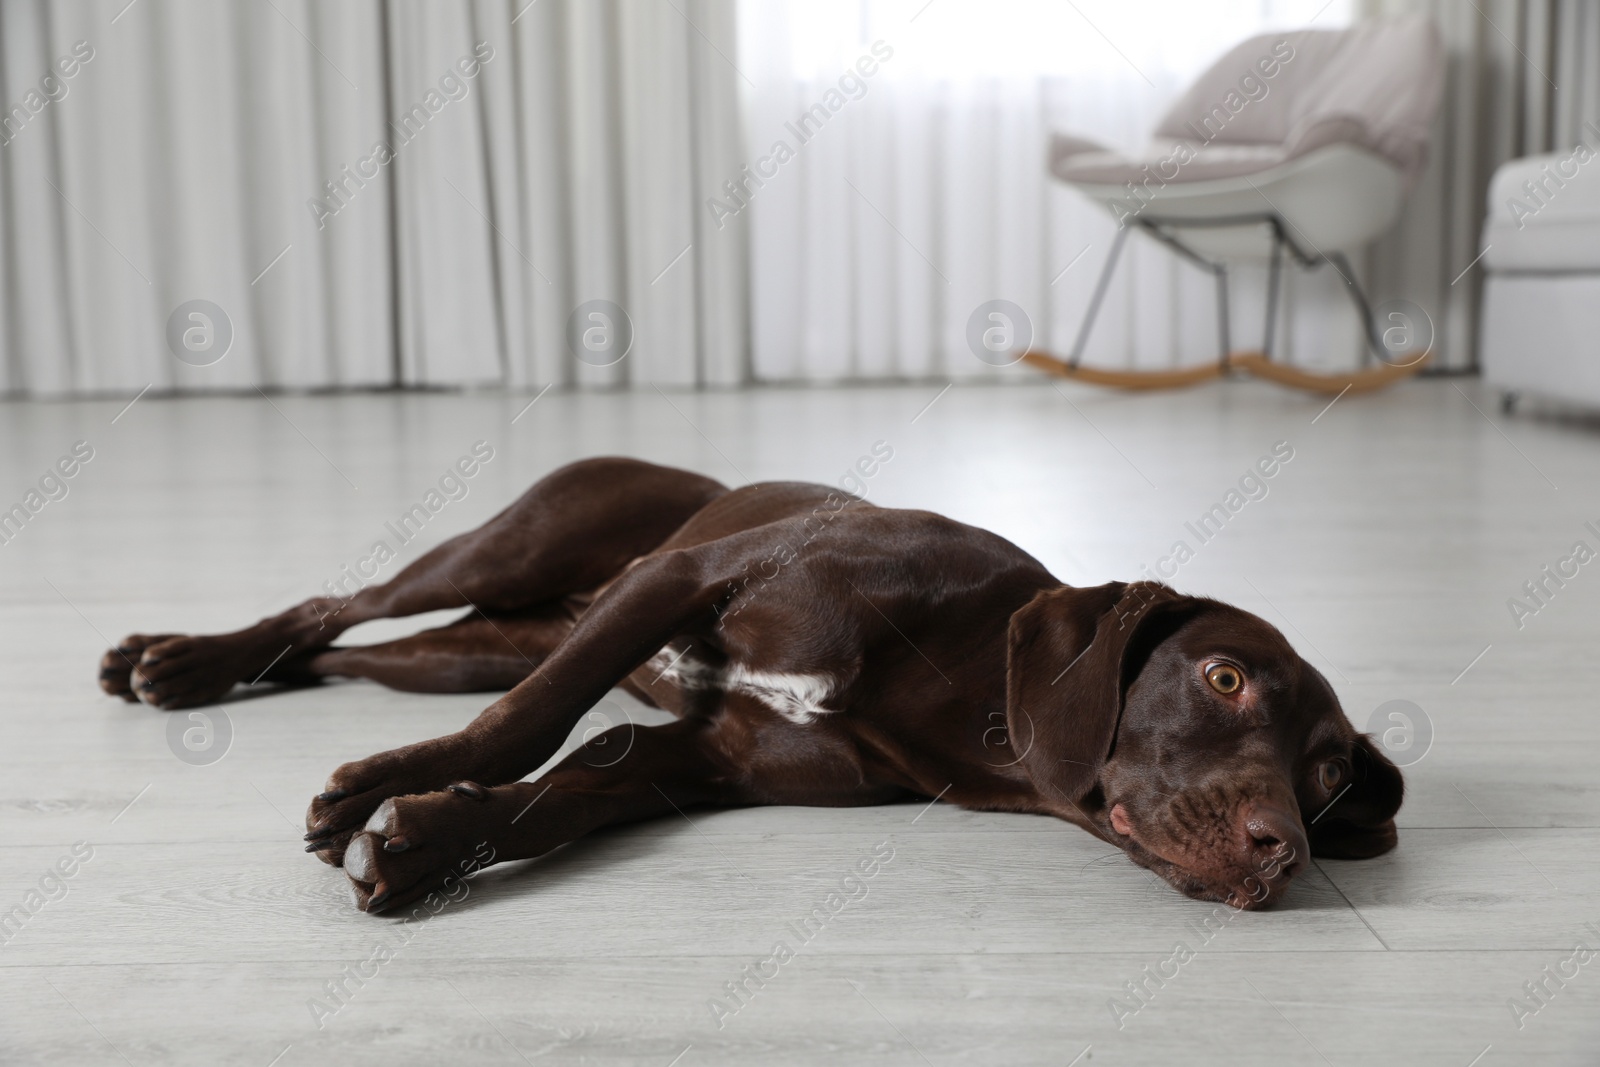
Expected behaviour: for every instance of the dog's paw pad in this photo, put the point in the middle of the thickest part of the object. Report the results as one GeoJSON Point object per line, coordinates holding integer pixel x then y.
{"type": "Point", "coordinates": [384, 821]}
{"type": "Point", "coordinates": [360, 861]}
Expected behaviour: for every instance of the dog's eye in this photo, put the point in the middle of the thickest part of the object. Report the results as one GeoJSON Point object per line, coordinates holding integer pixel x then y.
{"type": "Point", "coordinates": [1330, 775]}
{"type": "Point", "coordinates": [1223, 678]}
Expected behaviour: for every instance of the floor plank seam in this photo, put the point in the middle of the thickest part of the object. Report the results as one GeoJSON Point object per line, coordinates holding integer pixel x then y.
{"type": "Point", "coordinates": [1351, 905]}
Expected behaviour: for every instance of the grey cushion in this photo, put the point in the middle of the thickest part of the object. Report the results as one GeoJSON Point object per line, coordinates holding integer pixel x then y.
{"type": "Point", "coordinates": [1279, 96]}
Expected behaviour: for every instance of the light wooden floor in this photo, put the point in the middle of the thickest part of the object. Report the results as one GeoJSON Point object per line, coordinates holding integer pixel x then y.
{"type": "Point", "coordinates": [199, 932]}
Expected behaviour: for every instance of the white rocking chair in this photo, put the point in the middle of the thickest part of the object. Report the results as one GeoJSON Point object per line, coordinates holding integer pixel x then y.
{"type": "Point", "coordinates": [1303, 141]}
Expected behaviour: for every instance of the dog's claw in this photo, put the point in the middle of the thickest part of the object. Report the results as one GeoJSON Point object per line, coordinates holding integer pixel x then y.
{"type": "Point", "coordinates": [469, 789]}
{"type": "Point", "coordinates": [320, 846]}
{"type": "Point", "coordinates": [318, 832]}
{"type": "Point", "coordinates": [396, 844]}
{"type": "Point", "coordinates": [333, 794]}
{"type": "Point", "coordinates": [378, 898]}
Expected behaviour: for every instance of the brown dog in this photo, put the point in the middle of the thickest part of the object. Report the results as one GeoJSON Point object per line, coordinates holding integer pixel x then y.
{"type": "Point", "coordinates": [816, 650]}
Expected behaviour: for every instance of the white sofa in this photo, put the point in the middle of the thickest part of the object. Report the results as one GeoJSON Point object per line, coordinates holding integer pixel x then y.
{"type": "Point", "coordinates": [1541, 303]}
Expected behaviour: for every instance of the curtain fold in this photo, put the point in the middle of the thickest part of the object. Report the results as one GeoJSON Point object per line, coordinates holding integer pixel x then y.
{"type": "Point", "coordinates": [175, 166]}
{"type": "Point", "coordinates": [374, 194]}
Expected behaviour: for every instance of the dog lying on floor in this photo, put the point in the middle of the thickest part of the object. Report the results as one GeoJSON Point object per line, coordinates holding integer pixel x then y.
{"type": "Point", "coordinates": [816, 650]}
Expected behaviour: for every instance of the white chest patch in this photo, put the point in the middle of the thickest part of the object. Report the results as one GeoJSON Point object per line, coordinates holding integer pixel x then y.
{"type": "Point", "coordinates": [797, 697]}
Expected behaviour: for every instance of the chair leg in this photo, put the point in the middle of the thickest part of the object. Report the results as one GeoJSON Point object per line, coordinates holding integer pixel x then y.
{"type": "Point", "coordinates": [1274, 268]}
{"type": "Point", "coordinates": [1099, 295]}
{"type": "Point", "coordinates": [1224, 337]}
{"type": "Point", "coordinates": [1259, 363]}
{"type": "Point", "coordinates": [1359, 297]}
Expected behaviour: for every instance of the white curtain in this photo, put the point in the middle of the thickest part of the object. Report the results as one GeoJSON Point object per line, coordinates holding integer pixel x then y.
{"type": "Point", "coordinates": [1524, 78]}
{"type": "Point", "coordinates": [612, 150]}
{"type": "Point", "coordinates": [182, 159]}
{"type": "Point", "coordinates": [925, 194]}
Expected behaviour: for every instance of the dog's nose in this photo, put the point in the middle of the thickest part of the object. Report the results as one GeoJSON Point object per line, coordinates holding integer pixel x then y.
{"type": "Point", "coordinates": [1274, 842]}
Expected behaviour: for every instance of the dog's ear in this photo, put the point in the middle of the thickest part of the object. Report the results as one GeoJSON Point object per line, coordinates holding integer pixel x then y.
{"type": "Point", "coordinates": [1065, 678]}
{"type": "Point", "coordinates": [1360, 823]}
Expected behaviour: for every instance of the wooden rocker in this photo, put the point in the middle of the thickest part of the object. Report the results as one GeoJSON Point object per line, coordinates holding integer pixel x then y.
{"type": "Point", "coordinates": [1392, 367]}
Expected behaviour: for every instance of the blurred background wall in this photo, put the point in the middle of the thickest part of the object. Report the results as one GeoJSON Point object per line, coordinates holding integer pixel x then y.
{"type": "Point", "coordinates": [419, 194]}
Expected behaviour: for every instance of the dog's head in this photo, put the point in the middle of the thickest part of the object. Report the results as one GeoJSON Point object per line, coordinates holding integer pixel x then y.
{"type": "Point", "coordinates": [1191, 734]}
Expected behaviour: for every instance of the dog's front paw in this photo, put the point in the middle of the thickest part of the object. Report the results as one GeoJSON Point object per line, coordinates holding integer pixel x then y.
{"type": "Point", "coordinates": [355, 790]}
{"type": "Point", "coordinates": [416, 845]}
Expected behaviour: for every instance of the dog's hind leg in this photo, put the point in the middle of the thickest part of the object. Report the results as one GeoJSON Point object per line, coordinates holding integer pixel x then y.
{"type": "Point", "coordinates": [475, 654]}
{"type": "Point", "coordinates": [572, 531]}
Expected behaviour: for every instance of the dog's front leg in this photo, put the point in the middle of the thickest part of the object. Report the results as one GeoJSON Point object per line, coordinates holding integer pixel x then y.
{"type": "Point", "coordinates": [661, 597]}
{"type": "Point", "coordinates": [415, 845]}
